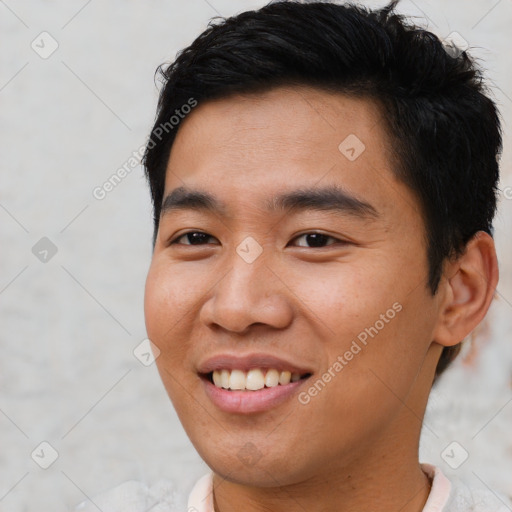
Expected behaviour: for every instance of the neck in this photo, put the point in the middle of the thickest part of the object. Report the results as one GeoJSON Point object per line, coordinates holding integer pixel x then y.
{"type": "Point", "coordinates": [391, 478]}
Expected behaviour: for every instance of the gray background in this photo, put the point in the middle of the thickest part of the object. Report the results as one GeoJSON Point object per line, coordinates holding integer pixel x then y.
{"type": "Point", "coordinates": [69, 325]}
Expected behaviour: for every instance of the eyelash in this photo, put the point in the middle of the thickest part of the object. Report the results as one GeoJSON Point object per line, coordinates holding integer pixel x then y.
{"type": "Point", "coordinates": [175, 240]}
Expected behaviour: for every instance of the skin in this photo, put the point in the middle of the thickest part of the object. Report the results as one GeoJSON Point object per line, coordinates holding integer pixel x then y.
{"type": "Point", "coordinates": [355, 443]}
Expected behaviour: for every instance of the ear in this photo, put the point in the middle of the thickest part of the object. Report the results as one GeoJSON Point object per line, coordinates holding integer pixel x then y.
{"type": "Point", "coordinates": [468, 283]}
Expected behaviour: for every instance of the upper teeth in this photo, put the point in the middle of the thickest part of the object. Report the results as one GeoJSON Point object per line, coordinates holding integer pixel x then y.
{"type": "Point", "coordinates": [253, 379]}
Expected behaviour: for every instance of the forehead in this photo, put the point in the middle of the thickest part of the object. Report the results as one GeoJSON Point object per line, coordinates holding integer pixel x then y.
{"type": "Point", "coordinates": [282, 117]}
{"type": "Point", "coordinates": [248, 147]}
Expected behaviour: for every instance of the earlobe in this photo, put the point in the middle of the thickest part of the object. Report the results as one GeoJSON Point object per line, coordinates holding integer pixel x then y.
{"type": "Point", "coordinates": [469, 285]}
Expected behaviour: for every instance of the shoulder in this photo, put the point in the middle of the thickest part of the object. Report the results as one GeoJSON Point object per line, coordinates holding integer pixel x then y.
{"type": "Point", "coordinates": [454, 495]}
{"type": "Point", "coordinates": [133, 496]}
{"type": "Point", "coordinates": [465, 498]}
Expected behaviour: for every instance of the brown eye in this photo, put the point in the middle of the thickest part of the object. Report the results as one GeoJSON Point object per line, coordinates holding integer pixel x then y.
{"type": "Point", "coordinates": [316, 240]}
{"type": "Point", "coordinates": [193, 238]}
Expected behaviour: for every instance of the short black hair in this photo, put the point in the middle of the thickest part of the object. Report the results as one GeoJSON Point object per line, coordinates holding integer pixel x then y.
{"type": "Point", "coordinates": [444, 129]}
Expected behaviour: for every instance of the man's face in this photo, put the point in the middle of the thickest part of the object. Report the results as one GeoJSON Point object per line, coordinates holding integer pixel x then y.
{"type": "Point", "coordinates": [329, 287]}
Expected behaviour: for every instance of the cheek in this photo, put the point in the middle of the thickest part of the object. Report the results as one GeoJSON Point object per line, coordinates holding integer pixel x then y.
{"type": "Point", "coordinates": [374, 309]}
{"type": "Point", "coordinates": [345, 297]}
{"type": "Point", "coordinates": [157, 300]}
{"type": "Point", "coordinates": [166, 304]}
{"type": "Point", "coordinates": [167, 310]}
{"type": "Point", "coordinates": [169, 299]}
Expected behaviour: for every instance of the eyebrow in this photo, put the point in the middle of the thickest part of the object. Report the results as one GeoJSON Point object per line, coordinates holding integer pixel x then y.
{"type": "Point", "coordinates": [330, 198]}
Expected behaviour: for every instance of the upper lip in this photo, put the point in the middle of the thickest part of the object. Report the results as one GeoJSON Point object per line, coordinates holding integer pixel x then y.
{"type": "Point", "coordinates": [249, 361]}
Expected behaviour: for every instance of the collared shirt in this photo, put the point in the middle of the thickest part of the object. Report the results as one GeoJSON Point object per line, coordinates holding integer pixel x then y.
{"type": "Point", "coordinates": [164, 496]}
{"type": "Point", "coordinates": [442, 497]}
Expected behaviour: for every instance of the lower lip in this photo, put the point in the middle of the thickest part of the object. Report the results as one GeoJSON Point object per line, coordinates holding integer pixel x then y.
{"type": "Point", "coordinates": [245, 402]}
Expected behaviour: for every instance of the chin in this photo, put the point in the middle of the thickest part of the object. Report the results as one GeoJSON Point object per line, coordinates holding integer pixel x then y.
{"type": "Point", "coordinates": [247, 463]}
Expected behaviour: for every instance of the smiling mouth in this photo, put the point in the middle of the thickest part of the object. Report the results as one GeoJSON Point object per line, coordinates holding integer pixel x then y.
{"type": "Point", "coordinates": [252, 380]}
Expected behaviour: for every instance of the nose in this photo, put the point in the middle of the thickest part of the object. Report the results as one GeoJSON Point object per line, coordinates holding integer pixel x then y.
{"type": "Point", "coordinates": [248, 294]}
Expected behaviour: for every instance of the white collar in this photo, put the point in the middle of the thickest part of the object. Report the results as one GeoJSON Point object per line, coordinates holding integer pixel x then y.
{"type": "Point", "coordinates": [201, 497]}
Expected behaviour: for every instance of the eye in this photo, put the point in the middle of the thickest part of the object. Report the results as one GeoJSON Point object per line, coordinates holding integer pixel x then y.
{"type": "Point", "coordinates": [192, 238]}
{"type": "Point", "coordinates": [314, 239]}
{"type": "Point", "coordinates": [311, 239]}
